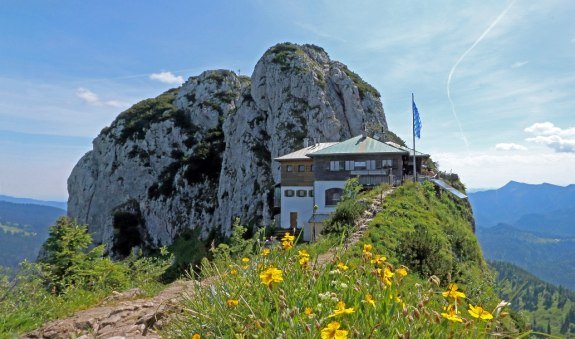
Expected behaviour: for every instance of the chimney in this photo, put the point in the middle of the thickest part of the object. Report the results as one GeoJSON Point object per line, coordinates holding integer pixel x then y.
{"type": "Point", "coordinates": [305, 142]}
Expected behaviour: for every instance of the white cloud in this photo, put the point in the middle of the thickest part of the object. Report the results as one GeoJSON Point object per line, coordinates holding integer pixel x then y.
{"type": "Point", "coordinates": [510, 147]}
{"type": "Point", "coordinates": [556, 142]}
{"type": "Point", "coordinates": [116, 103]}
{"type": "Point", "coordinates": [87, 96]}
{"type": "Point", "coordinates": [548, 128]}
{"type": "Point", "coordinates": [496, 169]}
{"type": "Point", "coordinates": [519, 64]}
{"type": "Point", "coordinates": [93, 99]}
{"type": "Point", "coordinates": [546, 133]}
{"type": "Point", "coordinates": [167, 77]}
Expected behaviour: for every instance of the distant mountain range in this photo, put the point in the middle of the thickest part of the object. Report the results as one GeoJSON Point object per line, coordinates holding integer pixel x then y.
{"type": "Point", "coordinates": [532, 226]}
{"type": "Point", "coordinates": [23, 229]}
{"type": "Point", "coordinates": [516, 200]}
{"type": "Point", "coordinates": [58, 204]}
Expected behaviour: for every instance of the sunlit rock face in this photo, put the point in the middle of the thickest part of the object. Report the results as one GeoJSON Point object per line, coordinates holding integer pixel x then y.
{"type": "Point", "coordinates": [200, 155]}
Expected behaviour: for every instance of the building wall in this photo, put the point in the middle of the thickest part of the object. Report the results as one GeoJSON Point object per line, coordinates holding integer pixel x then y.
{"type": "Point", "coordinates": [319, 189]}
{"type": "Point", "coordinates": [303, 206]}
{"type": "Point", "coordinates": [297, 178]}
{"type": "Point", "coordinates": [322, 170]}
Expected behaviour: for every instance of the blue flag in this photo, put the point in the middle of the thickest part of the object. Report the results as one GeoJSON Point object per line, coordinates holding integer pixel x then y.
{"type": "Point", "coordinates": [416, 121]}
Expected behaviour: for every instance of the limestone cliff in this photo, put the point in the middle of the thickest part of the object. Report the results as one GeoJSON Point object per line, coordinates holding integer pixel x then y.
{"type": "Point", "coordinates": [200, 155]}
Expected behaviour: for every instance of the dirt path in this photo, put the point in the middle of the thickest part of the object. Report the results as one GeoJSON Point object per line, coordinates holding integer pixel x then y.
{"type": "Point", "coordinates": [123, 316]}
{"type": "Point", "coordinates": [360, 227]}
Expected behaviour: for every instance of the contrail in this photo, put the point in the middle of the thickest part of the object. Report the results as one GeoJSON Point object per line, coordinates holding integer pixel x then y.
{"type": "Point", "coordinates": [493, 24]}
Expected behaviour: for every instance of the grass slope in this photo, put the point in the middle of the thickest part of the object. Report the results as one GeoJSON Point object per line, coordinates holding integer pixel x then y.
{"type": "Point", "coordinates": [365, 291]}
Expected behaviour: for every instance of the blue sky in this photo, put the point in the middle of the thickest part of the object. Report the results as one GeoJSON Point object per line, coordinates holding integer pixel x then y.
{"type": "Point", "coordinates": [67, 68]}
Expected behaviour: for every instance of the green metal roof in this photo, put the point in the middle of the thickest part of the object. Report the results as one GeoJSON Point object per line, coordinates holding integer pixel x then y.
{"type": "Point", "coordinates": [407, 149]}
{"type": "Point", "coordinates": [358, 145]}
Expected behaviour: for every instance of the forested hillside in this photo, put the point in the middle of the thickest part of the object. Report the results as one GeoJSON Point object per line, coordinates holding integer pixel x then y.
{"type": "Point", "coordinates": [547, 308]}
{"type": "Point", "coordinates": [23, 229]}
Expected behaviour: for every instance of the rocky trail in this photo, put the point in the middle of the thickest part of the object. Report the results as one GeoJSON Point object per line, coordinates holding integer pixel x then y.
{"type": "Point", "coordinates": [123, 315]}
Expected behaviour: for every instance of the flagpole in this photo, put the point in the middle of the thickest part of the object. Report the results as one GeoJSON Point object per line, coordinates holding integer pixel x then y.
{"type": "Point", "coordinates": [413, 130]}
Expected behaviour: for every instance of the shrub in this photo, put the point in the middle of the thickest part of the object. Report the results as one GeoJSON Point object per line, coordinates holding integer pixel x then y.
{"type": "Point", "coordinates": [188, 251]}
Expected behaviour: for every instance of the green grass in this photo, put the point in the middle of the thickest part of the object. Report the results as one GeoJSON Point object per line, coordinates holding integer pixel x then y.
{"type": "Point", "coordinates": [409, 306]}
{"type": "Point", "coordinates": [26, 303]}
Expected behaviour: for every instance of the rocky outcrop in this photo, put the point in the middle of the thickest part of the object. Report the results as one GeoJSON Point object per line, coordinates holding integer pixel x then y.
{"type": "Point", "coordinates": [201, 155]}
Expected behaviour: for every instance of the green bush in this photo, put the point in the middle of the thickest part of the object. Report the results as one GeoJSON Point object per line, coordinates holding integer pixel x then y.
{"type": "Point", "coordinates": [188, 250]}
{"type": "Point", "coordinates": [69, 277]}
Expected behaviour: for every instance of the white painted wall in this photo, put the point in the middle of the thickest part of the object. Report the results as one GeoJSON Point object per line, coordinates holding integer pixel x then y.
{"type": "Point", "coordinates": [303, 206]}
{"type": "Point", "coordinates": [319, 188]}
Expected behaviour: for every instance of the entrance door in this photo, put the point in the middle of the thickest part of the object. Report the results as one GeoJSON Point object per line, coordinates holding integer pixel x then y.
{"type": "Point", "coordinates": [293, 219]}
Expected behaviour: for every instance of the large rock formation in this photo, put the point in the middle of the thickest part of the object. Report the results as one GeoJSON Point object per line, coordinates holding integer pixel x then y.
{"type": "Point", "coordinates": [200, 155]}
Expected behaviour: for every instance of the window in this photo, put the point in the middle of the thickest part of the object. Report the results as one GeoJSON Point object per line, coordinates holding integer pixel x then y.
{"type": "Point", "coordinates": [310, 193]}
{"type": "Point", "coordinates": [289, 168]}
{"type": "Point", "coordinates": [311, 168]}
{"type": "Point", "coordinates": [289, 193]}
{"type": "Point", "coordinates": [301, 193]}
{"type": "Point", "coordinates": [301, 168]}
{"type": "Point", "coordinates": [337, 165]}
{"type": "Point", "coordinates": [333, 196]}
{"type": "Point", "coordinates": [387, 163]}
{"type": "Point", "coordinates": [360, 165]}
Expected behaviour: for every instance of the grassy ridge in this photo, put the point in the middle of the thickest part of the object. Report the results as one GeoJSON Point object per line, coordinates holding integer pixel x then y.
{"type": "Point", "coordinates": [291, 291]}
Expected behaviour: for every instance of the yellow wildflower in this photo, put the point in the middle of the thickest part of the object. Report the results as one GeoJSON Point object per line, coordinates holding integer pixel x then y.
{"type": "Point", "coordinates": [401, 272]}
{"type": "Point", "coordinates": [451, 314]}
{"type": "Point", "coordinates": [265, 252]}
{"type": "Point", "coordinates": [232, 302]}
{"type": "Point", "coordinates": [367, 251]}
{"type": "Point", "coordinates": [303, 257]}
{"type": "Point", "coordinates": [245, 267]}
{"type": "Point", "coordinates": [398, 300]}
{"type": "Point", "coordinates": [341, 310]}
{"type": "Point", "coordinates": [332, 331]}
{"type": "Point", "coordinates": [308, 311]}
{"type": "Point", "coordinates": [479, 312]}
{"type": "Point", "coordinates": [234, 272]}
{"type": "Point", "coordinates": [378, 260]}
{"type": "Point", "coordinates": [288, 237]}
{"type": "Point", "coordinates": [271, 275]}
{"type": "Point", "coordinates": [287, 245]}
{"type": "Point", "coordinates": [196, 336]}
{"type": "Point", "coordinates": [453, 292]}
{"type": "Point", "coordinates": [342, 267]}
{"type": "Point", "coordinates": [369, 299]}
{"type": "Point", "coordinates": [385, 275]}
{"type": "Point", "coordinates": [303, 253]}
{"type": "Point", "coordinates": [245, 260]}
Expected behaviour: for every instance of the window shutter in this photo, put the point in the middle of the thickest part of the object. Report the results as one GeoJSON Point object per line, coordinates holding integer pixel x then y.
{"type": "Point", "coordinates": [352, 165]}
{"type": "Point", "coordinates": [332, 166]}
{"type": "Point", "coordinates": [347, 166]}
